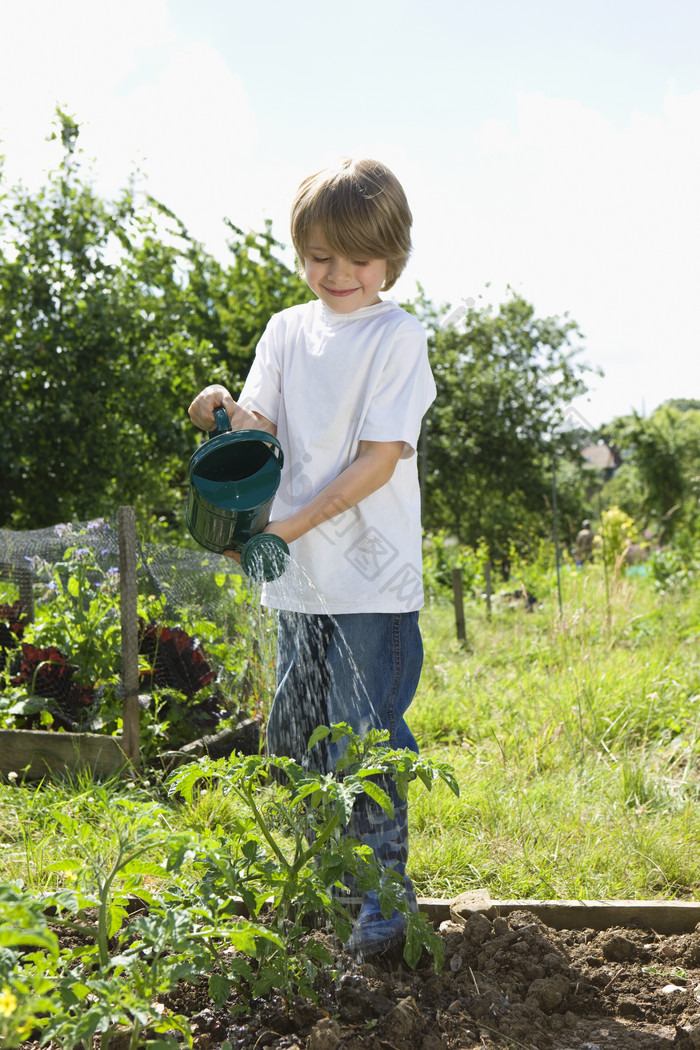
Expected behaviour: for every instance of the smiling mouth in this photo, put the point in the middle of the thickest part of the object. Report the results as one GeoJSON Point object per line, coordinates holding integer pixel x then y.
{"type": "Point", "coordinates": [341, 292]}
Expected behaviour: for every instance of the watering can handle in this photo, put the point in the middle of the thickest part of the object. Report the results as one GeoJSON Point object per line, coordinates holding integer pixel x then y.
{"type": "Point", "coordinates": [269, 439]}
{"type": "Point", "coordinates": [223, 423]}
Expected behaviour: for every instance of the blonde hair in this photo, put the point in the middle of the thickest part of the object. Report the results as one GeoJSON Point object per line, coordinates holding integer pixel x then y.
{"type": "Point", "coordinates": [362, 211]}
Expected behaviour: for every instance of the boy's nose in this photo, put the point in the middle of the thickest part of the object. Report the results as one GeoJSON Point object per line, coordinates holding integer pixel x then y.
{"type": "Point", "coordinates": [340, 269]}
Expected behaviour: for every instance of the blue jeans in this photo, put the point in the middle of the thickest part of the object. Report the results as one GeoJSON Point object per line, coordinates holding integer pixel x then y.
{"type": "Point", "coordinates": [359, 668]}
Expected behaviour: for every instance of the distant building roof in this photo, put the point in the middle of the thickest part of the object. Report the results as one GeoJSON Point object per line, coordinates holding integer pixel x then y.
{"type": "Point", "coordinates": [601, 457]}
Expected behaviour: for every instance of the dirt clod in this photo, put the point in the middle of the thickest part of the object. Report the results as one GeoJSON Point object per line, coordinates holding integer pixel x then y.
{"type": "Point", "coordinates": [618, 948]}
{"type": "Point", "coordinates": [548, 992]}
{"type": "Point", "coordinates": [325, 1035]}
{"type": "Point", "coordinates": [404, 1024]}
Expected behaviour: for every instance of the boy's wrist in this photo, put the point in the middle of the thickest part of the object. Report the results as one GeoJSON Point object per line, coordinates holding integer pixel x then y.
{"type": "Point", "coordinates": [283, 527]}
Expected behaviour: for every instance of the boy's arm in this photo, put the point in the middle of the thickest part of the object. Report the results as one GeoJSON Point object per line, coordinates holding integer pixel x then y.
{"type": "Point", "coordinates": [201, 411]}
{"type": "Point", "coordinates": [373, 467]}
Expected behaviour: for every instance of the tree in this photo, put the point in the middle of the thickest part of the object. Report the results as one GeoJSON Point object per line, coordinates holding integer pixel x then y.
{"type": "Point", "coordinates": [663, 454]}
{"type": "Point", "coordinates": [683, 404]}
{"type": "Point", "coordinates": [111, 318]}
{"type": "Point", "coordinates": [505, 380]}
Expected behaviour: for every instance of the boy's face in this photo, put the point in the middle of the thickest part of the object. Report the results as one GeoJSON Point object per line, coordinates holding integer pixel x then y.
{"type": "Point", "coordinates": [343, 285]}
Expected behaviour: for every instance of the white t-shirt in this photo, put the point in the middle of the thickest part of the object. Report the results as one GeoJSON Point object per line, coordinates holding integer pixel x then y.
{"type": "Point", "coordinates": [329, 381]}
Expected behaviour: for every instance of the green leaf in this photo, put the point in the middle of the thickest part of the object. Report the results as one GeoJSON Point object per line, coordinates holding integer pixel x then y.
{"type": "Point", "coordinates": [318, 952]}
{"type": "Point", "coordinates": [320, 733]}
{"type": "Point", "coordinates": [37, 938]}
{"type": "Point", "coordinates": [219, 989]}
{"type": "Point", "coordinates": [65, 864]}
{"type": "Point", "coordinates": [419, 935]}
{"type": "Point", "coordinates": [183, 781]}
{"type": "Point", "coordinates": [246, 935]}
{"type": "Point", "coordinates": [380, 796]}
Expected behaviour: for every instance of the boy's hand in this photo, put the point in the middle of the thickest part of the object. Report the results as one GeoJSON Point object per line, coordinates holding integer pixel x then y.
{"type": "Point", "coordinates": [201, 411]}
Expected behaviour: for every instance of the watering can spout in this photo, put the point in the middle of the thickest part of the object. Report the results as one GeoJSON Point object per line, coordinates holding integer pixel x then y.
{"type": "Point", "coordinates": [264, 557]}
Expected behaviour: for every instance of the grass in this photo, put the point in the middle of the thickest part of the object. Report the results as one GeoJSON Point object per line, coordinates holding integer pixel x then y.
{"type": "Point", "coordinates": [576, 742]}
{"type": "Point", "coordinates": [575, 738]}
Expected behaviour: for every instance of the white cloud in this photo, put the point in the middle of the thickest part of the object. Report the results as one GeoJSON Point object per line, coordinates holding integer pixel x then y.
{"type": "Point", "coordinates": [68, 54]}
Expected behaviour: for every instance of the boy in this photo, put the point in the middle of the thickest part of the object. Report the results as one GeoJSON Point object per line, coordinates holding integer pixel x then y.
{"type": "Point", "coordinates": [344, 381]}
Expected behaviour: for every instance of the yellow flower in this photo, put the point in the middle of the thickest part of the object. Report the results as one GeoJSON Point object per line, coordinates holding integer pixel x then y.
{"type": "Point", "coordinates": [8, 1002]}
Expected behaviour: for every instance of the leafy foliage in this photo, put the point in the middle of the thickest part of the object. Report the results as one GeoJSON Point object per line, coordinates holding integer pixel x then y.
{"type": "Point", "coordinates": [663, 454]}
{"type": "Point", "coordinates": [63, 670]}
{"type": "Point", "coordinates": [299, 870]}
{"type": "Point", "coordinates": [442, 555]}
{"type": "Point", "coordinates": [505, 379]}
{"type": "Point", "coordinates": [618, 534]}
{"type": "Point", "coordinates": [285, 857]}
{"type": "Point", "coordinates": [232, 304]}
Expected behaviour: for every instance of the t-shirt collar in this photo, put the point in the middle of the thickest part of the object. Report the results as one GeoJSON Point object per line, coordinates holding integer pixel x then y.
{"type": "Point", "coordinates": [330, 317]}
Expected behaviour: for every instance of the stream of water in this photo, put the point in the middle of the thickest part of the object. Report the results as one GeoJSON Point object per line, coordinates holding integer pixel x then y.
{"type": "Point", "coordinates": [312, 660]}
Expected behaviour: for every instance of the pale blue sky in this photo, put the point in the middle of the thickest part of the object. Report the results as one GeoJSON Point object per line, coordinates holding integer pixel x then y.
{"type": "Point", "coordinates": [551, 146]}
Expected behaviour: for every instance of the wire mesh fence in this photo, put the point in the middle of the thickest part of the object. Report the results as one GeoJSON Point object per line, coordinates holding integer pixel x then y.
{"type": "Point", "coordinates": [153, 644]}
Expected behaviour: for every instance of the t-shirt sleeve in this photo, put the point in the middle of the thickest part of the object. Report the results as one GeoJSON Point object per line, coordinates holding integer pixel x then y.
{"type": "Point", "coordinates": [261, 390]}
{"type": "Point", "coordinates": [404, 391]}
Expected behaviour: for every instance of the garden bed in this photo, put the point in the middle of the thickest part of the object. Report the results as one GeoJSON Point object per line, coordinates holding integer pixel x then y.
{"type": "Point", "coordinates": [507, 982]}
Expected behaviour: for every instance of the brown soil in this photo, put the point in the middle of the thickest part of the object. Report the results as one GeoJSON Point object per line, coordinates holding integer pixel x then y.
{"type": "Point", "coordinates": [505, 983]}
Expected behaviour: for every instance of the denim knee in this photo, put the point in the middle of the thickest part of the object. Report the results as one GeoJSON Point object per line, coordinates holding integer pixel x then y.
{"type": "Point", "coordinates": [376, 661]}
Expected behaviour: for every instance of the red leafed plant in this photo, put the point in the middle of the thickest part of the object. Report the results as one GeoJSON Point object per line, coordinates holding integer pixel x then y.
{"type": "Point", "coordinates": [175, 660]}
{"type": "Point", "coordinates": [176, 665]}
{"type": "Point", "coordinates": [13, 618]}
{"type": "Point", "coordinates": [171, 662]}
{"type": "Point", "coordinates": [48, 674]}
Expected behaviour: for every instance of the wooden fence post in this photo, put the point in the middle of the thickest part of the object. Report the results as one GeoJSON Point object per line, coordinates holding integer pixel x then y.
{"type": "Point", "coordinates": [131, 733]}
{"type": "Point", "coordinates": [458, 598]}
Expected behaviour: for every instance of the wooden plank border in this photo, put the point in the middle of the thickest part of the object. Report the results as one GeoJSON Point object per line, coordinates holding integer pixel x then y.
{"type": "Point", "coordinates": [35, 753]}
{"type": "Point", "coordinates": [661, 916]}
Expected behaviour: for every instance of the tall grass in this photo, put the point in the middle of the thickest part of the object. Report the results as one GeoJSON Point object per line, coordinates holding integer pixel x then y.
{"type": "Point", "coordinates": [576, 740]}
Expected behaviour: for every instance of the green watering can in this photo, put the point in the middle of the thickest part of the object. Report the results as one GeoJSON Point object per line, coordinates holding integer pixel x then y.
{"type": "Point", "coordinates": [233, 479]}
